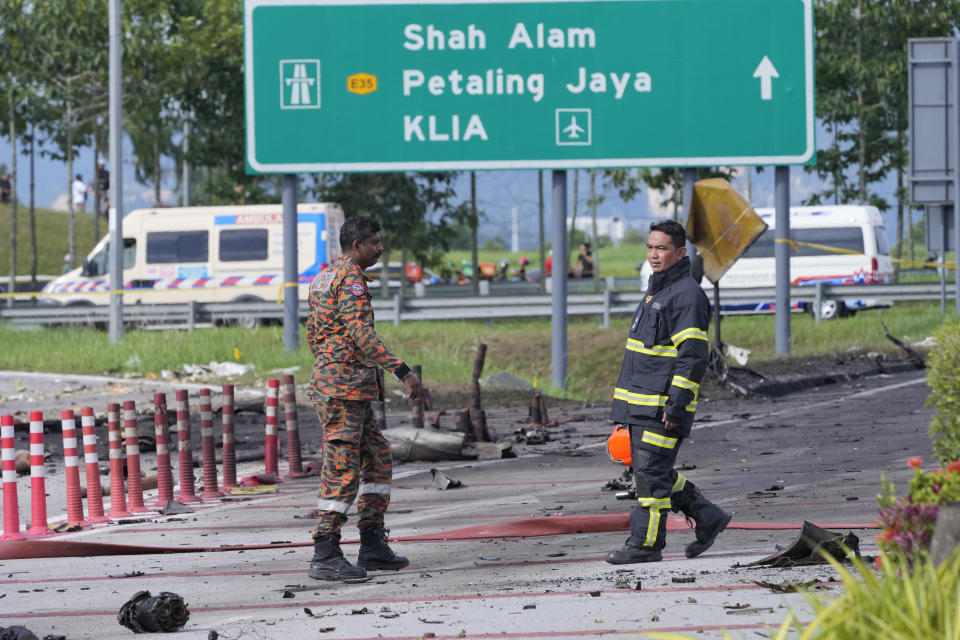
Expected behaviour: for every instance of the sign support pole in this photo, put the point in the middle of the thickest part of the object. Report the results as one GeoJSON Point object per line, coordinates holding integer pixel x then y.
{"type": "Point", "coordinates": [291, 320]}
{"type": "Point", "coordinates": [943, 261]}
{"type": "Point", "coordinates": [781, 254]}
{"type": "Point", "coordinates": [115, 213]}
{"type": "Point", "coordinates": [558, 353]}
{"type": "Point", "coordinates": [956, 183]}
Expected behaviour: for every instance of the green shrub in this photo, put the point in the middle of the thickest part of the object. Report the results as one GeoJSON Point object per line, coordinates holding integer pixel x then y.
{"type": "Point", "coordinates": [908, 523]}
{"type": "Point", "coordinates": [889, 603]}
{"type": "Point", "coordinates": [897, 604]}
{"type": "Point", "coordinates": [944, 381]}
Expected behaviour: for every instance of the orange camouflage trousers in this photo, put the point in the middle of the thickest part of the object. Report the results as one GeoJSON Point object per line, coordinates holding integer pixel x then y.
{"type": "Point", "coordinates": [356, 460]}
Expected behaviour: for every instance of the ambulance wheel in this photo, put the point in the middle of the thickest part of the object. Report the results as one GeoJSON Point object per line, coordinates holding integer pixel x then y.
{"type": "Point", "coordinates": [246, 321]}
{"type": "Point", "coordinates": [830, 309]}
{"type": "Point", "coordinates": [90, 322]}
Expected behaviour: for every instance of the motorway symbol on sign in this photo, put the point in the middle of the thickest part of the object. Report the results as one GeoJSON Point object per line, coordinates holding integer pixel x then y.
{"type": "Point", "coordinates": [299, 84]}
{"type": "Point", "coordinates": [547, 84]}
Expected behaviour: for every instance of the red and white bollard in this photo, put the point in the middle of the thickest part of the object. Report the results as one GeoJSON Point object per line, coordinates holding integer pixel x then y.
{"type": "Point", "coordinates": [186, 452]}
{"type": "Point", "coordinates": [118, 501]}
{"type": "Point", "coordinates": [88, 424]}
{"type": "Point", "coordinates": [273, 391]}
{"type": "Point", "coordinates": [293, 430]}
{"type": "Point", "coordinates": [71, 463]}
{"type": "Point", "coordinates": [134, 481]}
{"type": "Point", "coordinates": [210, 489]}
{"type": "Point", "coordinates": [164, 470]}
{"type": "Point", "coordinates": [11, 506]}
{"type": "Point", "coordinates": [38, 483]}
{"type": "Point", "coordinates": [229, 448]}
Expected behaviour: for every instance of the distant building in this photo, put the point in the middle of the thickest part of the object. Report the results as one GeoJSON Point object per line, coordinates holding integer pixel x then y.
{"type": "Point", "coordinates": [610, 226]}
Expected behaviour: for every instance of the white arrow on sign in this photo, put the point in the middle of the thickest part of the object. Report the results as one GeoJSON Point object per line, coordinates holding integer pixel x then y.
{"type": "Point", "coordinates": [766, 72]}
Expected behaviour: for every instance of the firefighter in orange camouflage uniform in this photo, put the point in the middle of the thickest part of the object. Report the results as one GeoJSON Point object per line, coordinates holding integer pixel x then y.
{"type": "Point", "coordinates": [348, 356]}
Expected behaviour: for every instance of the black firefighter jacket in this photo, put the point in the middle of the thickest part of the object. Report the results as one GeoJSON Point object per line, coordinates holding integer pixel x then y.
{"type": "Point", "coordinates": [666, 352]}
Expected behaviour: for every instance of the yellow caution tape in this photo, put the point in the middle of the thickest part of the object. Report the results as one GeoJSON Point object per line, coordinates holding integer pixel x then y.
{"type": "Point", "coordinates": [282, 287]}
{"type": "Point", "coordinates": [130, 292]}
{"type": "Point", "coordinates": [911, 263]}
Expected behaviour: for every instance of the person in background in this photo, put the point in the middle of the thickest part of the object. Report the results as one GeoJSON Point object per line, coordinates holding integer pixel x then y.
{"type": "Point", "coordinates": [521, 273]}
{"type": "Point", "coordinates": [5, 188]}
{"type": "Point", "coordinates": [502, 273]}
{"type": "Point", "coordinates": [548, 264]}
{"type": "Point", "coordinates": [79, 194]}
{"type": "Point", "coordinates": [103, 187]}
{"type": "Point", "coordinates": [348, 356]}
{"type": "Point", "coordinates": [585, 261]}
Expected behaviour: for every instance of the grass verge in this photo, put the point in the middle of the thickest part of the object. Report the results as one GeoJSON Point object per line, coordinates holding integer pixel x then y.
{"type": "Point", "coordinates": [446, 350]}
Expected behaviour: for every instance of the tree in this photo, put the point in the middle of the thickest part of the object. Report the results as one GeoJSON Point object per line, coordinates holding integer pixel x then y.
{"type": "Point", "coordinates": [204, 61]}
{"type": "Point", "coordinates": [862, 95]}
{"type": "Point", "coordinates": [13, 29]}
{"type": "Point", "coordinates": [151, 87]}
{"type": "Point", "coordinates": [414, 209]}
{"type": "Point", "coordinates": [70, 54]}
{"type": "Point", "coordinates": [629, 182]}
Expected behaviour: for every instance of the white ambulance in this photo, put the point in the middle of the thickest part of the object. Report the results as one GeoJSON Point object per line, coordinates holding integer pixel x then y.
{"type": "Point", "coordinates": [205, 254]}
{"type": "Point", "coordinates": [833, 244]}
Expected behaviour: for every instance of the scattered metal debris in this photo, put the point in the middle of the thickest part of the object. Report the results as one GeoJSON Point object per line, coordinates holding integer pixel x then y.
{"type": "Point", "coordinates": [790, 587]}
{"type": "Point", "coordinates": [172, 507]}
{"type": "Point", "coordinates": [443, 482]}
{"type": "Point", "coordinates": [748, 609]}
{"type": "Point", "coordinates": [537, 435]}
{"type": "Point", "coordinates": [812, 547]}
{"type": "Point", "coordinates": [408, 443]}
{"type": "Point", "coordinates": [915, 358]}
{"type": "Point", "coordinates": [144, 613]}
{"type": "Point", "coordinates": [17, 632]}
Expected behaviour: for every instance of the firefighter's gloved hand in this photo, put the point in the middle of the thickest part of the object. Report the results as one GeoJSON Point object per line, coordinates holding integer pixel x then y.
{"type": "Point", "coordinates": [414, 386]}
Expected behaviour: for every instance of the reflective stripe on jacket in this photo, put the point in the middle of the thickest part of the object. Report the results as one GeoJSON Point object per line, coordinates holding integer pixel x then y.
{"type": "Point", "coordinates": [340, 331]}
{"type": "Point", "coordinates": [666, 352]}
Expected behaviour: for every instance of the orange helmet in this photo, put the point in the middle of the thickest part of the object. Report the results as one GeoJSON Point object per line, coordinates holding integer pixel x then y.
{"type": "Point", "coordinates": [618, 445]}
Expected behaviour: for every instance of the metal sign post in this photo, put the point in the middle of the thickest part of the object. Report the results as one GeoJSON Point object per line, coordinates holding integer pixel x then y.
{"type": "Point", "coordinates": [934, 88]}
{"type": "Point", "coordinates": [558, 295]}
{"type": "Point", "coordinates": [115, 213]}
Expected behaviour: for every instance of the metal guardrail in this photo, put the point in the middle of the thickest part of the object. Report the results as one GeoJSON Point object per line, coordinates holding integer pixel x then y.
{"type": "Point", "coordinates": [398, 309]}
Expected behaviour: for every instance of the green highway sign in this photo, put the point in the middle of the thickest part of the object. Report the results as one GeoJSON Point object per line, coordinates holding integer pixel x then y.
{"type": "Point", "coordinates": [381, 85]}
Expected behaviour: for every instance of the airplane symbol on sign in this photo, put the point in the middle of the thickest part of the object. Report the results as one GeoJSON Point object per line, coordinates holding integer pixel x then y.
{"type": "Point", "coordinates": [573, 129]}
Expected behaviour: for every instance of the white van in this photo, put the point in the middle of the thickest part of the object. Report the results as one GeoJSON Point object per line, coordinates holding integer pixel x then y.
{"type": "Point", "coordinates": [205, 254]}
{"type": "Point", "coordinates": [815, 230]}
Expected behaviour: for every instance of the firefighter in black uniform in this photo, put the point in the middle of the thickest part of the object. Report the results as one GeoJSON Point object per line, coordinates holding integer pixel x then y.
{"type": "Point", "coordinates": [656, 396]}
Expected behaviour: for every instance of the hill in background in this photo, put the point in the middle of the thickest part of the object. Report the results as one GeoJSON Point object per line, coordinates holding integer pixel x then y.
{"type": "Point", "coordinates": [53, 239]}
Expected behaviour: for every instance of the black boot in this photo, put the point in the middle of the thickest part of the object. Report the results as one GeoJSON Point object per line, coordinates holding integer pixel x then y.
{"type": "Point", "coordinates": [375, 553]}
{"type": "Point", "coordinates": [709, 518]}
{"type": "Point", "coordinates": [630, 553]}
{"type": "Point", "coordinates": [328, 562]}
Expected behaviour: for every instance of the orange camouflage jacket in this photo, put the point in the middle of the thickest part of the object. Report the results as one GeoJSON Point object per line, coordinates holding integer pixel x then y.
{"type": "Point", "coordinates": [346, 349]}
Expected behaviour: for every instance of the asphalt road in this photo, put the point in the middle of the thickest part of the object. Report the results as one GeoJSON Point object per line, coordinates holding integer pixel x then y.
{"type": "Point", "coordinates": [515, 553]}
